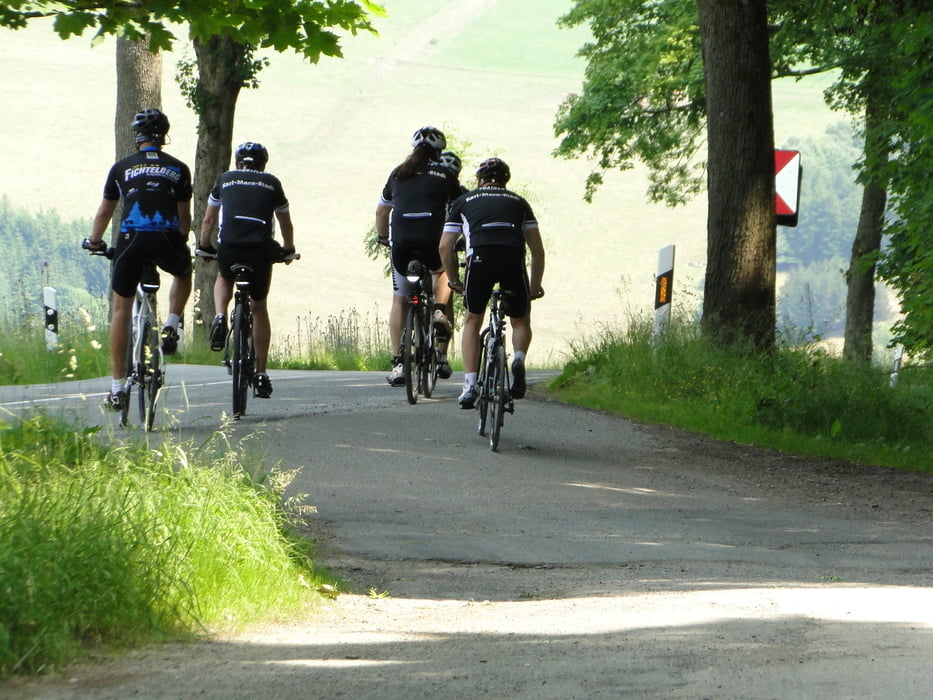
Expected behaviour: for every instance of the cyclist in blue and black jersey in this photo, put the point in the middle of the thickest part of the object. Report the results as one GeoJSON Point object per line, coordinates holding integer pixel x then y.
{"type": "Point", "coordinates": [409, 219]}
{"type": "Point", "coordinates": [498, 226]}
{"type": "Point", "coordinates": [156, 218]}
{"type": "Point", "coordinates": [247, 201]}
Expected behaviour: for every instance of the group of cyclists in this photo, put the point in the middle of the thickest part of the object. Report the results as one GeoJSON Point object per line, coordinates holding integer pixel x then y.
{"type": "Point", "coordinates": [423, 213]}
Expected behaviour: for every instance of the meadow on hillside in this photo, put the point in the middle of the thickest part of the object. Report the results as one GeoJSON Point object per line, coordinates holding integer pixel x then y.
{"type": "Point", "coordinates": [491, 74]}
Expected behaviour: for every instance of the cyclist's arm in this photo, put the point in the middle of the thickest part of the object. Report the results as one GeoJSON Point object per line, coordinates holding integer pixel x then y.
{"type": "Point", "coordinates": [536, 247]}
{"type": "Point", "coordinates": [184, 218]}
{"type": "Point", "coordinates": [102, 219]}
{"type": "Point", "coordinates": [287, 229]}
{"type": "Point", "coordinates": [383, 211]}
{"type": "Point", "coordinates": [448, 252]}
{"type": "Point", "coordinates": [208, 224]}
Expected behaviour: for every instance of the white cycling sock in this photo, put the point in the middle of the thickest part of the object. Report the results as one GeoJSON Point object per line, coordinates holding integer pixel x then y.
{"type": "Point", "coordinates": [519, 355]}
{"type": "Point", "coordinates": [173, 320]}
{"type": "Point", "coordinates": [116, 386]}
{"type": "Point", "coordinates": [469, 379]}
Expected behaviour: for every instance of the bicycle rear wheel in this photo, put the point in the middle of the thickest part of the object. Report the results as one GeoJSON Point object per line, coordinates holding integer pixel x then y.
{"type": "Point", "coordinates": [482, 400]}
{"type": "Point", "coordinates": [410, 345]}
{"type": "Point", "coordinates": [154, 376]}
{"type": "Point", "coordinates": [499, 396]}
{"type": "Point", "coordinates": [428, 355]}
{"type": "Point", "coordinates": [242, 360]}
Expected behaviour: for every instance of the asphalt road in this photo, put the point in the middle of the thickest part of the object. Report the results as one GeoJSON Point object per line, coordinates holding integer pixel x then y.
{"type": "Point", "coordinates": [590, 557]}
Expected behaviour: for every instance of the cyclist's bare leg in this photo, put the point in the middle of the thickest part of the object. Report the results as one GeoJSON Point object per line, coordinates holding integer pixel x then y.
{"type": "Point", "coordinates": [223, 293]}
{"type": "Point", "coordinates": [119, 334]}
{"type": "Point", "coordinates": [397, 321]}
{"type": "Point", "coordinates": [469, 341]}
{"type": "Point", "coordinates": [521, 333]}
{"type": "Point", "coordinates": [262, 333]}
{"type": "Point", "coordinates": [178, 295]}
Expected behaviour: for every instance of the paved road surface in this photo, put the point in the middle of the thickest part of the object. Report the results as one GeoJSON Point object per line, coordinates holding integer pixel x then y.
{"type": "Point", "coordinates": [591, 557]}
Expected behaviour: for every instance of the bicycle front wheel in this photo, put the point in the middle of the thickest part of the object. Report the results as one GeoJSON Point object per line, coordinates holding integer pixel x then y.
{"type": "Point", "coordinates": [242, 360]}
{"type": "Point", "coordinates": [482, 379]}
{"type": "Point", "coordinates": [499, 396]}
{"type": "Point", "coordinates": [410, 347]}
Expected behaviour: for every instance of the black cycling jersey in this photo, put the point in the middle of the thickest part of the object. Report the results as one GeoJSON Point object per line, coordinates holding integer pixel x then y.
{"type": "Point", "coordinates": [493, 220]}
{"type": "Point", "coordinates": [249, 200]}
{"type": "Point", "coordinates": [490, 216]}
{"type": "Point", "coordinates": [419, 205]}
{"type": "Point", "coordinates": [151, 183]}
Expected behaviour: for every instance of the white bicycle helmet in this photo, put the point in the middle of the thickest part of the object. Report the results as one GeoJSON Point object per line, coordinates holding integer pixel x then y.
{"type": "Point", "coordinates": [429, 135]}
{"type": "Point", "coordinates": [452, 161]}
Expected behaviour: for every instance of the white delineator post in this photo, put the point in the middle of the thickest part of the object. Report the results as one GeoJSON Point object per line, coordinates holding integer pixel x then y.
{"type": "Point", "coordinates": [50, 301]}
{"type": "Point", "coordinates": [663, 288]}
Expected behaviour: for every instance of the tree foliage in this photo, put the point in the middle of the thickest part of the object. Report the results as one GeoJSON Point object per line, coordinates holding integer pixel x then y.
{"type": "Point", "coordinates": [306, 26]}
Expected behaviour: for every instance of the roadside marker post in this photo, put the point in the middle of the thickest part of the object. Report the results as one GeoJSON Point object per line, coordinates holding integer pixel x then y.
{"type": "Point", "coordinates": [50, 302]}
{"type": "Point", "coordinates": [663, 290]}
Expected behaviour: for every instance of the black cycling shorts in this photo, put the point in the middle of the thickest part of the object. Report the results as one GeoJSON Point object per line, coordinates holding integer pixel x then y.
{"type": "Point", "coordinates": [259, 257]}
{"type": "Point", "coordinates": [167, 249]}
{"type": "Point", "coordinates": [402, 255]}
{"type": "Point", "coordinates": [489, 265]}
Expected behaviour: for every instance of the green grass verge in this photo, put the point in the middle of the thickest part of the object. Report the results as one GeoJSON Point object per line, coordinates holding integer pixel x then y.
{"type": "Point", "coordinates": [116, 545]}
{"type": "Point", "coordinates": [799, 400]}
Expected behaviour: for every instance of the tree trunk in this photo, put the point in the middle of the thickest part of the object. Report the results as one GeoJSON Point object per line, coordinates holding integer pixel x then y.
{"type": "Point", "coordinates": [860, 277]}
{"type": "Point", "coordinates": [219, 83]}
{"type": "Point", "coordinates": [739, 299]}
{"type": "Point", "coordinates": [139, 86]}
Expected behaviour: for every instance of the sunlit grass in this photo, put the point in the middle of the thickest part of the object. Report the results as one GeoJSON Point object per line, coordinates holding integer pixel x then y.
{"type": "Point", "coordinates": [119, 544]}
{"type": "Point", "coordinates": [799, 399]}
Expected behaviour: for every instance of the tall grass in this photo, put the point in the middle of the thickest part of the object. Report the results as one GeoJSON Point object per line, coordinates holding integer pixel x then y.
{"type": "Point", "coordinates": [121, 544]}
{"type": "Point", "coordinates": [800, 398]}
{"type": "Point", "coordinates": [346, 341]}
{"type": "Point", "coordinates": [81, 352]}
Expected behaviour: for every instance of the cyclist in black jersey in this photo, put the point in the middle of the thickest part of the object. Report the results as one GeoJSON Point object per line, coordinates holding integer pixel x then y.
{"type": "Point", "coordinates": [409, 219]}
{"type": "Point", "coordinates": [247, 200]}
{"type": "Point", "coordinates": [156, 218]}
{"type": "Point", "coordinates": [498, 226]}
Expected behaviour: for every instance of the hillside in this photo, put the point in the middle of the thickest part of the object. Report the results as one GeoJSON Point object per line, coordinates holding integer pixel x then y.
{"type": "Point", "coordinates": [492, 74]}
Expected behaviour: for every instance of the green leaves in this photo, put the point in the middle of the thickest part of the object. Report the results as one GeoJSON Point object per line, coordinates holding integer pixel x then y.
{"type": "Point", "coordinates": [298, 25]}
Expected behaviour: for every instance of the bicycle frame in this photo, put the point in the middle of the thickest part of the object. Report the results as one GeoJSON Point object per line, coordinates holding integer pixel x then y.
{"type": "Point", "coordinates": [419, 351]}
{"type": "Point", "coordinates": [145, 367]}
{"type": "Point", "coordinates": [494, 399]}
{"type": "Point", "coordinates": [239, 355]}
{"type": "Point", "coordinates": [145, 364]}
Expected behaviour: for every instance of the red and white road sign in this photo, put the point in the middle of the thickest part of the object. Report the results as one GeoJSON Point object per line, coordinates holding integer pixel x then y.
{"type": "Point", "coordinates": [787, 173]}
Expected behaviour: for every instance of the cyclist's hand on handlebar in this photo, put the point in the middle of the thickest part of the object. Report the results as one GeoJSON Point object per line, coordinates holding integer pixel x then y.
{"type": "Point", "coordinates": [206, 253]}
{"type": "Point", "coordinates": [94, 246]}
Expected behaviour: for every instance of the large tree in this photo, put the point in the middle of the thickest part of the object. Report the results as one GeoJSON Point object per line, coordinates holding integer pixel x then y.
{"type": "Point", "coordinates": [739, 296]}
{"type": "Point", "coordinates": [641, 101]}
{"type": "Point", "coordinates": [224, 34]}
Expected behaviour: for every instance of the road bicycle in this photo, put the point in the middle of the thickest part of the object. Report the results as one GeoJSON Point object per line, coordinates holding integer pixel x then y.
{"type": "Point", "coordinates": [239, 351]}
{"type": "Point", "coordinates": [419, 342]}
{"type": "Point", "coordinates": [145, 363]}
{"type": "Point", "coordinates": [494, 399]}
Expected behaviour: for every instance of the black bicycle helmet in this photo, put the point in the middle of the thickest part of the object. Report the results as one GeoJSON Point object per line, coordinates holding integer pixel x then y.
{"type": "Point", "coordinates": [150, 125]}
{"type": "Point", "coordinates": [252, 155]}
{"type": "Point", "coordinates": [494, 170]}
{"type": "Point", "coordinates": [452, 161]}
{"type": "Point", "coordinates": [431, 136]}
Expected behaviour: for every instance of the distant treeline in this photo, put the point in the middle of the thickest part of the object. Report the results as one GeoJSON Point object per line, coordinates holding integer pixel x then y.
{"type": "Point", "coordinates": [39, 250]}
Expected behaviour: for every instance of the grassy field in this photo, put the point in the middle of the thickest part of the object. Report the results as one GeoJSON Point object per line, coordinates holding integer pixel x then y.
{"type": "Point", "coordinates": [492, 74]}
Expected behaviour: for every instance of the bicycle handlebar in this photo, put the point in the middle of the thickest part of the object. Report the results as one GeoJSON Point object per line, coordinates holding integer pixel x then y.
{"type": "Point", "coordinates": [103, 250]}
